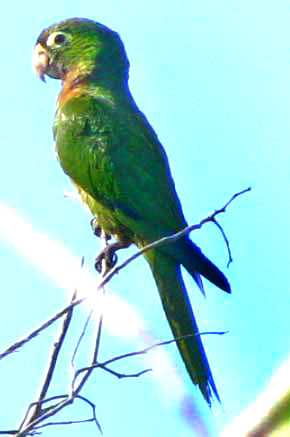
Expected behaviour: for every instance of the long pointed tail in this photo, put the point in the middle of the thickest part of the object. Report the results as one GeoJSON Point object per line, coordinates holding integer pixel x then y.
{"type": "Point", "coordinates": [197, 262]}
{"type": "Point", "coordinates": [177, 307]}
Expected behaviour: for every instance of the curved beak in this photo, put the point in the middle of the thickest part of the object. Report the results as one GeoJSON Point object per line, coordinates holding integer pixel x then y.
{"type": "Point", "coordinates": [40, 61]}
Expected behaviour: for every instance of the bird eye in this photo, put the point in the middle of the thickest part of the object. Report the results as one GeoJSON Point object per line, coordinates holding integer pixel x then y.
{"type": "Point", "coordinates": [56, 38]}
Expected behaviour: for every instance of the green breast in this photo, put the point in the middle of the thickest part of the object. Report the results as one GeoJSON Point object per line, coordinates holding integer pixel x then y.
{"type": "Point", "coordinates": [81, 132]}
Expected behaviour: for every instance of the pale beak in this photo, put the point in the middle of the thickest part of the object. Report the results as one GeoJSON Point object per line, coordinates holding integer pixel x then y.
{"type": "Point", "coordinates": [40, 61]}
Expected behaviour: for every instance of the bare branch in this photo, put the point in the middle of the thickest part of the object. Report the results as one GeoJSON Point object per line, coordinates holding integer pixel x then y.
{"type": "Point", "coordinates": [174, 237]}
{"type": "Point", "coordinates": [65, 401]}
{"type": "Point", "coordinates": [68, 422]}
{"type": "Point", "coordinates": [36, 414]}
{"type": "Point", "coordinates": [80, 339]}
{"type": "Point", "coordinates": [226, 241]}
{"type": "Point", "coordinates": [93, 419]}
{"type": "Point", "coordinates": [144, 351]}
{"type": "Point", "coordinates": [124, 375]}
{"type": "Point", "coordinates": [45, 414]}
{"type": "Point", "coordinates": [160, 343]}
{"type": "Point", "coordinates": [10, 432]}
{"type": "Point", "coordinates": [41, 328]}
{"type": "Point", "coordinates": [56, 347]}
{"type": "Point", "coordinates": [234, 196]}
{"type": "Point", "coordinates": [97, 336]}
{"type": "Point", "coordinates": [93, 406]}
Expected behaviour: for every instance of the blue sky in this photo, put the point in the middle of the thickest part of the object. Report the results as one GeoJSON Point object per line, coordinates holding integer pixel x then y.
{"type": "Point", "coordinates": [213, 80]}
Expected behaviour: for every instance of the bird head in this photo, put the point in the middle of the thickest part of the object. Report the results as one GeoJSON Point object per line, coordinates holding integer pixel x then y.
{"type": "Point", "coordinates": [80, 47]}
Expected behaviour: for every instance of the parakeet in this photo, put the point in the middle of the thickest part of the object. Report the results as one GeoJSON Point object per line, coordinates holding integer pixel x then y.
{"type": "Point", "coordinates": [107, 147]}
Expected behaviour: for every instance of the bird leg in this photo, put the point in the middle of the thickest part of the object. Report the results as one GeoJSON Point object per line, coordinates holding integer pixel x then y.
{"type": "Point", "coordinates": [109, 254]}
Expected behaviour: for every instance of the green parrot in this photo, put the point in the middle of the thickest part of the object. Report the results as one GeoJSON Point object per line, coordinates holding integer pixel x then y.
{"type": "Point", "coordinates": [107, 147]}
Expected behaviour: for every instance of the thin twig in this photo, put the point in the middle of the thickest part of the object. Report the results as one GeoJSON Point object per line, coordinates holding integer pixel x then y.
{"type": "Point", "coordinates": [96, 337]}
{"type": "Point", "coordinates": [9, 432]}
{"type": "Point", "coordinates": [174, 237]}
{"type": "Point", "coordinates": [68, 422]}
{"type": "Point", "coordinates": [36, 411]}
{"type": "Point", "coordinates": [124, 375]}
{"type": "Point", "coordinates": [93, 406]}
{"type": "Point", "coordinates": [80, 339]}
{"type": "Point", "coordinates": [161, 343]}
{"type": "Point", "coordinates": [93, 419]}
{"type": "Point", "coordinates": [41, 328]}
{"type": "Point", "coordinates": [226, 241]}
{"type": "Point", "coordinates": [56, 347]}
{"type": "Point", "coordinates": [47, 413]}
{"type": "Point", "coordinates": [147, 349]}
{"type": "Point", "coordinates": [100, 323]}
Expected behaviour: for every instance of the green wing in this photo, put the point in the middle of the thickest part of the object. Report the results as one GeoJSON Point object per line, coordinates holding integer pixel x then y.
{"type": "Point", "coordinates": [115, 159]}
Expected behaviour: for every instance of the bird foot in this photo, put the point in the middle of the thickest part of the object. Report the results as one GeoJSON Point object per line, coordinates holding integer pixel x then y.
{"type": "Point", "coordinates": [108, 254]}
{"type": "Point", "coordinates": [97, 229]}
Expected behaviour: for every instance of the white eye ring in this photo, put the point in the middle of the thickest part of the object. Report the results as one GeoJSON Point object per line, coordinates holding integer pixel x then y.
{"type": "Point", "coordinates": [56, 39]}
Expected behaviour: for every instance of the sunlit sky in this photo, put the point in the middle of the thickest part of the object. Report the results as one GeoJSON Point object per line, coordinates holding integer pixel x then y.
{"type": "Point", "coordinates": [213, 80]}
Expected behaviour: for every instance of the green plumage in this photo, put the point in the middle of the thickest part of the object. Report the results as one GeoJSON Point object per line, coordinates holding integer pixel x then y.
{"type": "Point", "coordinates": [113, 156]}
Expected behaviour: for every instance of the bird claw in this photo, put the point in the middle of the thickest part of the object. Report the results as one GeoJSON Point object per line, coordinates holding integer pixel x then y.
{"type": "Point", "coordinates": [108, 255]}
{"type": "Point", "coordinates": [97, 229]}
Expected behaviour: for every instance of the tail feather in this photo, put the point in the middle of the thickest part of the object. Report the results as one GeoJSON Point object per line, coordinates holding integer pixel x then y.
{"type": "Point", "coordinates": [185, 252]}
{"type": "Point", "coordinates": [177, 307]}
{"type": "Point", "coordinates": [196, 263]}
